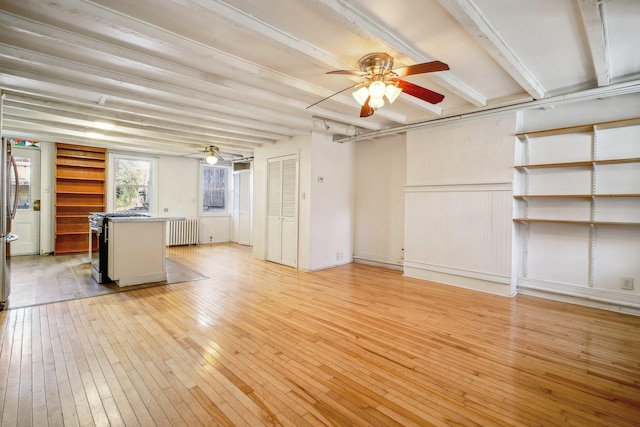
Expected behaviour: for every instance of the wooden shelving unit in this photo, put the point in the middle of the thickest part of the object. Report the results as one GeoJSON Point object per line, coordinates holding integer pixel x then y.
{"type": "Point", "coordinates": [577, 191]}
{"type": "Point", "coordinates": [79, 190]}
{"type": "Point", "coordinates": [591, 165]}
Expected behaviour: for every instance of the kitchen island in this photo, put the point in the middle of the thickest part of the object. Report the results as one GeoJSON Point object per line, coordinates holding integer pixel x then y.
{"type": "Point", "coordinates": [136, 249]}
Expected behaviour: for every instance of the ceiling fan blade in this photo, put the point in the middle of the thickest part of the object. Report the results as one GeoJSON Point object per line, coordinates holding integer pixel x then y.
{"type": "Point", "coordinates": [330, 96]}
{"type": "Point", "coordinates": [366, 110]}
{"type": "Point", "coordinates": [350, 72]}
{"type": "Point", "coordinates": [425, 67]}
{"type": "Point", "coordinates": [420, 92]}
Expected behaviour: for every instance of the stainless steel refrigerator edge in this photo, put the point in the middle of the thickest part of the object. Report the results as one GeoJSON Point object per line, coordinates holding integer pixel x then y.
{"type": "Point", "coordinates": [8, 205]}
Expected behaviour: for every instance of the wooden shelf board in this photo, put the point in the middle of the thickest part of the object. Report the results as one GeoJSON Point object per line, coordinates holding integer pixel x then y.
{"type": "Point", "coordinates": [570, 196]}
{"type": "Point", "coordinates": [80, 205]}
{"type": "Point", "coordinates": [68, 233]}
{"type": "Point", "coordinates": [566, 221]}
{"type": "Point", "coordinates": [99, 167]}
{"type": "Point", "coordinates": [617, 161]}
{"type": "Point", "coordinates": [552, 196]}
{"type": "Point", "coordinates": [585, 163]}
{"type": "Point", "coordinates": [80, 156]}
{"type": "Point", "coordinates": [557, 131]}
{"type": "Point", "coordinates": [102, 193]}
{"type": "Point", "coordinates": [582, 128]}
{"type": "Point", "coordinates": [71, 178]}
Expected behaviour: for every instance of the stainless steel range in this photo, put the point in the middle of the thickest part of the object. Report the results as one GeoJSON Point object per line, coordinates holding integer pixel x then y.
{"type": "Point", "coordinates": [99, 225]}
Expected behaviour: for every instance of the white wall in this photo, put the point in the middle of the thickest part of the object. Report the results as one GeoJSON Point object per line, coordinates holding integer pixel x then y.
{"type": "Point", "coordinates": [178, 183]}
{"type": "Point", "coordinates": [458, 204]}
{"type": "Point", "coordinates": [325, 210]}
{"type": "Point", "coordinates": [380, 174]}
{"type": "Point", "coordinates": [47, 196]}
{"type": "Point", "coordinates": [331, 203]}
{"type": "Point", "coordinates": [178, 186]}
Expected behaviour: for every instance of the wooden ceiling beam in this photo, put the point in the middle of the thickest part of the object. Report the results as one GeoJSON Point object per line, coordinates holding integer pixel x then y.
{"type": "Point", "coordinates": [469, 15]}
{"type": "Point", "coordinates": [593, 14]}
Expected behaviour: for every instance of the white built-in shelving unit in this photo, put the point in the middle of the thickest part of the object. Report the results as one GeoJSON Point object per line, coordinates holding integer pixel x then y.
{"type": "Point", "coordinates": [577, 198]}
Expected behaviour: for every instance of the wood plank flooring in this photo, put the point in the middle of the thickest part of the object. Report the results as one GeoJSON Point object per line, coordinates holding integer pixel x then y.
{"type": "Point", "coordinates": [257, 344]}
{"type": "Point", "coordinates": [39, 279]}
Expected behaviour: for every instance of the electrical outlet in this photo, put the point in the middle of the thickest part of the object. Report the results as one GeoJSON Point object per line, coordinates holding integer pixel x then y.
{"type": "Point", "coordinates": [626, 283]}
{"type": "Point", "coordinates": [338, 256]}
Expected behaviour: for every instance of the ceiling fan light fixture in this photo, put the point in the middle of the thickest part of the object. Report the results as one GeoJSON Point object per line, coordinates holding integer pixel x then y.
{"type": "Point", "coordinates": [361, 95]}
{"type": "Point", "coordinates": [392, 92]}
{"type": "Point", "coordinates": [377, 89]}
{"type": "Point", "coordinates": [376, 103]}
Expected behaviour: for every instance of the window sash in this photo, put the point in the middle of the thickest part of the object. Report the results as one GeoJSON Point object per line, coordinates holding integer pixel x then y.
{"type": "Point", "coordinates": [214, 189]}
{"type": "Point", "coordinates": [132, 189]}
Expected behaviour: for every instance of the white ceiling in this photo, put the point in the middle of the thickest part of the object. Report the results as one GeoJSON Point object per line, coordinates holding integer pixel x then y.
{"type": "Point", "coordinates": [176, 75]}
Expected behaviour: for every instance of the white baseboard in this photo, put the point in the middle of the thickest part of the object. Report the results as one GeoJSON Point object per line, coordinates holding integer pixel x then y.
{"type": "Point", "coordinates": [378, 263]}
{"type": "Point", "coordinates": [492, 284]}
{"type": "Point", "coordinates": [589, 297]}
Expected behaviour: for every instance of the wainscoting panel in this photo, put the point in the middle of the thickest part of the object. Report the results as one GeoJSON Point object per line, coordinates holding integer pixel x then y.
{"type": "Point", "coordinates": [460, 235]}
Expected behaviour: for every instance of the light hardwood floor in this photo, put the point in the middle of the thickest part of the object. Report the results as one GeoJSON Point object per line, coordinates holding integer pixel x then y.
{"type": "Point", "coordinates": [262, 344]}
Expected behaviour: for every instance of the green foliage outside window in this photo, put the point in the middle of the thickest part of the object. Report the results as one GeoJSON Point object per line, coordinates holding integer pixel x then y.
{"type": "Point", "coordinates": [133, 184]}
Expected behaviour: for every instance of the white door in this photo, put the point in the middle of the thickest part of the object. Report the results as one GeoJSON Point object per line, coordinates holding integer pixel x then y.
{"type": "Point", "coordinates": [26, 223]}
{"type": "Point", "coordinates": [282, 216]}
{"type": "Point", "coordinates": [242, 207]}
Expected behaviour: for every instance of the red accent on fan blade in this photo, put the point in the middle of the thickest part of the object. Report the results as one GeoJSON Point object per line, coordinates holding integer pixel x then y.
{"type": "Point", "coordinates": [366, 111]}
{"type": "Point", "coordinates": [420, 92]}
{"type": "Point", "coordinates": [351, 72]}
{"type": "Point", "coordinates": [426, 67]}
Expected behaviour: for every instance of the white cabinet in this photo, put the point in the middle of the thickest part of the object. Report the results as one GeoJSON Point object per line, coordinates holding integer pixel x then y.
{"type": "Point", "coordinates": [136, 251]}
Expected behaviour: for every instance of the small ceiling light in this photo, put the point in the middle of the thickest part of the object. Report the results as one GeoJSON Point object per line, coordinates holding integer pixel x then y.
{"type": "Point", "coordinates": [377, 89]}
{"type": "Point", "coordinates": [211, 159]}
{"type": "Point", "coordinates": [375, 93]}
{"type": "Point", "coordinates": [392, 92]}
{"type": "Point", "coordinates": [361, 95]}
{"type": "Point", "coordinates": [376, 103]}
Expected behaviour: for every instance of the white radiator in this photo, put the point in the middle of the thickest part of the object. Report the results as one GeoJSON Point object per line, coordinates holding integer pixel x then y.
{"type": "Point", "coordinates": [183, 232]}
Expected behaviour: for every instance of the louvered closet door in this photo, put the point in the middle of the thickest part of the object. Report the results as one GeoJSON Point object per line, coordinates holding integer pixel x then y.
{"type": "Point", "coordinates": [282, 221]}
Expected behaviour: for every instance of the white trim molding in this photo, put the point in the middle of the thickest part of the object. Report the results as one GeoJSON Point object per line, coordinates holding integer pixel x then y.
{"type": "Point", "coordinates": [590, 297]}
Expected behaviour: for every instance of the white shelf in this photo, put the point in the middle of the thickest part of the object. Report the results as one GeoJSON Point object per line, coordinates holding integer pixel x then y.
{"type": "Point", "coordinates": [584, 181]}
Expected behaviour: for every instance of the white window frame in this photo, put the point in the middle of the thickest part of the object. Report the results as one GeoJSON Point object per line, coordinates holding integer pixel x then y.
{"type": "Point", "coordinates": [111, 190]}
{"type": "Point", "coordinates": [229, 190]}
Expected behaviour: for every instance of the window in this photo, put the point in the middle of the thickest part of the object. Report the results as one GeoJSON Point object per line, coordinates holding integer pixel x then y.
{"type": "Point", "coordinates": [24, 182]}
{"type": "Point", "coordinates": [132, 183]}
{"type": "Point", "coordinates": [215, 189]}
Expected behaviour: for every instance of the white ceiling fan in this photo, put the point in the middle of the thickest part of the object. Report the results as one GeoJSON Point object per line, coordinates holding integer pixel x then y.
{"type": "Point", "coordinates": [212, 155]}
